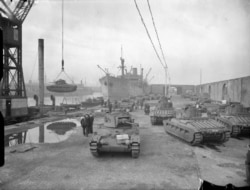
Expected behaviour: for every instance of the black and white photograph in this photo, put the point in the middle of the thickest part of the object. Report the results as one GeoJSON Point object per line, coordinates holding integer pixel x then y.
{"type": "Point", "coordinates": [125, 94]}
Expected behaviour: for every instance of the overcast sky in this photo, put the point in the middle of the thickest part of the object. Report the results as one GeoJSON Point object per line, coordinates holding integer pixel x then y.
{"type": "Point", "coordinates": [208, 35]}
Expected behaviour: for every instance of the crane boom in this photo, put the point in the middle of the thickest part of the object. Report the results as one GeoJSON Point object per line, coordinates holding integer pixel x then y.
{"type": "Point", "coordinates": [5, 9]}
{"type": "Point", "coordinates": [151, 78]}
{"type": "Point", "coordinates": [102, 69]}
{"type": "Point", "coordinates": [22, 9]}
{"type": "Point", "coordinates": [19, 12]}
{"type": "Point", "coordinates": [148, 73]}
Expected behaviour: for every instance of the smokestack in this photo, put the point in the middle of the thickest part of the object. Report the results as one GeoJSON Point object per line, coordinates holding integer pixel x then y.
{"type": "Point", "coordinates": [141, 74]}
{"type": "Point", "coordinates": [41, 74]}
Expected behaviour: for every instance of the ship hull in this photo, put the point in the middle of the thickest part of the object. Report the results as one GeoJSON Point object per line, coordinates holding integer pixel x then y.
{"type": "Point", "coordinates": [119, 88]}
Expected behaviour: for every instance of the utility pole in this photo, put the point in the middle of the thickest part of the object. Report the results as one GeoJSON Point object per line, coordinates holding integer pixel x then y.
{"type": "Point", "coordinates": [200, 80]}
{"type": "Point", "coordinates": [166, 78]}
{"type": "Point", "coordinates": [122, 62]}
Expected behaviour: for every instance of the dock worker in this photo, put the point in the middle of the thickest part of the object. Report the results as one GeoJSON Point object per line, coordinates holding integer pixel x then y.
{"type": "Point", "coordinates": [146, 109]}
{"type": "Point", "coordinates": [141, 103]}
{"type": "Point", "coordinates": [115, 104]}
{"type": "Point", "coordinates": [91, 121]}
{"type": "Point", "coordinates": [88, 123]}
{"type": "Point", "coordinates": [84, 125]}
{"type": "Point", "coordinates": [110, 106]}
{"type": "Point", "coordinates": [102, 102]}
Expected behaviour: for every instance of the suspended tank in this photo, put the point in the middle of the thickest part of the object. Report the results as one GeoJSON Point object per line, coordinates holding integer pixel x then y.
{"type": "Point", "coordinates": [119, 133]}
{"type": "Point", "coordinates": [194, 129]}
{"type": "Point", "coordinates": [237, 119]}
{"type": "Point", "coordinates": [61, 86]}
{"type": "Point", "coordinates": [163, 110]}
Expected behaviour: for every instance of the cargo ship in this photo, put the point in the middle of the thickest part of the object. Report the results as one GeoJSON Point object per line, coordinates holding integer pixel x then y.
{"type": "Point", "coordinates": [123, 86]}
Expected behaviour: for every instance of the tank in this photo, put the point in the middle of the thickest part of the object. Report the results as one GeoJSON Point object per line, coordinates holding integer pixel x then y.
{"type": "Point", "coordinates": [126, 104]}
{"type": "Point", "coordinates": [62, 87]}
{"type": "Point", "coordinates": [119, 133]}
{"type": "Point", "coordinates": [247, 162]}
{"type": "Point", "coordinates": [213, 109]}
{"type": "Point", "coordinates": [163, 110]}
{"type": "Point", "coordinates": [237, 119]}
{"type": "Point", "coordinates": [194, 129]}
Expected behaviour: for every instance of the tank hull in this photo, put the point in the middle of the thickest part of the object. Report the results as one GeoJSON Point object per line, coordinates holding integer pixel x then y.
{"type": "Point", "coordinates": [99, 145]}
{"type": "Point", "coordinates": [197, 130]}
{"type": "Point", "coordinates": [157, 116]}
{"type": "Point", "coordinates": [238, 125]}
{"type": "Point", "coordinates": [119, 133]}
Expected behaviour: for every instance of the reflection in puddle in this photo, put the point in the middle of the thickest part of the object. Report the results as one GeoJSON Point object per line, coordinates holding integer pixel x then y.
{"type": "Point", "coordinates": [61, 128]}
{"type": "Point", "coordinates": [48, 133]}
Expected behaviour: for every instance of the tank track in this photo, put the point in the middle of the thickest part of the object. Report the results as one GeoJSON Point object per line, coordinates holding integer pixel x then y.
{"type": "Point", "coordinates": [226, 136]}
{"type": "Point", "coordinates": [197, 137]}
{"type": "Point", "coordinates": [94, 149]}
{"type": "Point", "coordinates": [235, 130]}
{"type": "Point", "coordinates": [135, 150]}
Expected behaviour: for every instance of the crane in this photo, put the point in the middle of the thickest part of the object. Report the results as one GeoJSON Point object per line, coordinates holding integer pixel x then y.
{"type": "Point", "coordinates": [12, 87]}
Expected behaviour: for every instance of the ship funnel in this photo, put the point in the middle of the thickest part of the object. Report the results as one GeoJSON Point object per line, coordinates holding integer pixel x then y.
{"type": "Point", "coordinates": [134, 71]}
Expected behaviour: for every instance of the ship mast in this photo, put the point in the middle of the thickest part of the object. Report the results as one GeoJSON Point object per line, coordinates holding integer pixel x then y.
{"type": "Point", "coordinates": [122, 63]}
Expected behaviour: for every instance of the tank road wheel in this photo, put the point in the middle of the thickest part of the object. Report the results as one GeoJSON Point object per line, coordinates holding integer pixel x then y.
{"type": "Point", "coordinates": [197, 139]}
{"type": "Point", "coordinates": [235, 131]}
{"type": "Point", "coordinates": [225, 137]}
{"type": "Point", "coordinates": [93, 149]}
{"type": "Point", "coordinates": [153, 120]}
{"type": "Point", "coordinates": [135, 150]}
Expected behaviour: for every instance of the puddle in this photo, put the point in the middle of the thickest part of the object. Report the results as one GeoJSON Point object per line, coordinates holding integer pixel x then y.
{"type": "Point", "coordinates": [47, 133]}
{"type": "Point", "coordinates": [61, 128]}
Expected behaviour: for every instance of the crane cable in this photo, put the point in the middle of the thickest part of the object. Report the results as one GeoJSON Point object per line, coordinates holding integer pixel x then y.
{"type": "Point", "coordinates": [34, 65]}
{"type": "Point", "coordinates": [157, 33]}
{"type": "Point", "coordinates": [148, 33]}
{"type": "Point", "coordinates": [165, 63]}
{"type": "Point", "coordinates": [63, 45]}
{"type": "Point", "coordinates": [152, 17]}
{"type": "Point", "coordinates": [62, 36]}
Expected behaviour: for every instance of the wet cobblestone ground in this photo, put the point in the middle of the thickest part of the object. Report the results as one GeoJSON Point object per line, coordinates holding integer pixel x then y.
{"type": "Point", "coordinates": [164, 163]}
